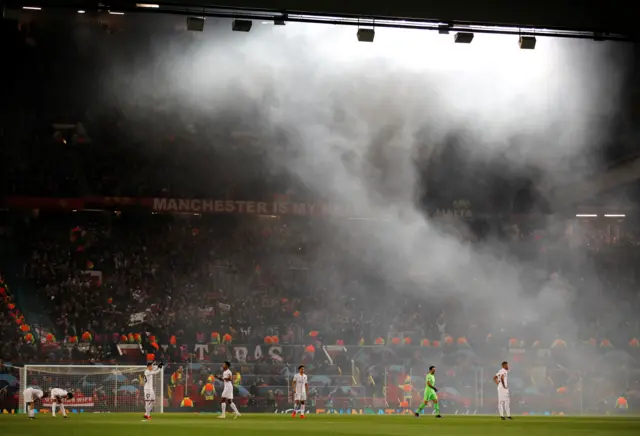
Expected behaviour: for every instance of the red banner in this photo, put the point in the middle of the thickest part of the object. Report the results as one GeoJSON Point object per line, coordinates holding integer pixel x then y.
{"type": "Point", "coordinates": [280, 206]}
{"type": "Point", "coordinates": [74, 402]}
{"type": "Point", "coordinates": [45, 203]}
{"type": "Point", "coordinates": [179, 205]}
{"type": "Point", "coordinates": [197, 205]}
{"type": "Point", "coordinates": [83, 203]}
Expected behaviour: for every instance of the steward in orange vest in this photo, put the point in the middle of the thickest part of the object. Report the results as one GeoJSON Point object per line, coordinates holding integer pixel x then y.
{"type": "Point", "coordinates": [208, 392]}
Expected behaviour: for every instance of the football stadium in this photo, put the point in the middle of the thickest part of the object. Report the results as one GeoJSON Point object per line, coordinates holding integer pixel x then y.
{"type": "Point", "coordinates": [287, 217]}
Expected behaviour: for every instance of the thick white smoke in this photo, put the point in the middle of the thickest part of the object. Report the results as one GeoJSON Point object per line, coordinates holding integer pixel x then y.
{"type": "Point", "coordinates": [360, 118]}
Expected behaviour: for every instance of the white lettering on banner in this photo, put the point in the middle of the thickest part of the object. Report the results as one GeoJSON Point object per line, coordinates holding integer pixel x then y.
{"type": "Point", "coordinates": [201, 349]}
{"type": "Point", "coordinates": [76, 401]}
{"type": "Point", "coordinates": [274, 352]}
{"type": "Point", "coordinates": [241, 353]}
{"type": "Point", "coordinates": [245, 207]}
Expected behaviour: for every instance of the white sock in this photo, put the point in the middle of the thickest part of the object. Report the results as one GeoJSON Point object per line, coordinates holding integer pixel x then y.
{"type": "Point", "coordinates": [53, 409]}
{"type": "Point", "coordinates": [224, 408]}
{"type": "Point", "coordinates": [501, 408]}
{"type": "Point", "coordinates": [507, 408]}
{"type": "Point", "coordinates": [234, 408]}
{"type": "Point", "coordinates": [64, 412]}
{"type": "Point", "coordinates": [31, 412]}
{"type": "Point", "coordinates": [302, 409]}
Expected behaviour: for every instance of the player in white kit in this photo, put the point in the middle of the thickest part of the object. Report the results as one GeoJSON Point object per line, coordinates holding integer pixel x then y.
{"type": "Point", "coordinates": [149, 393]}
{"type": "Point", "coordinates": [501, 380]}
{"type": "Point", "coordinates": [300, 389]}
{"type": "Point", "coordinates": [57, 399]}
{"type": "Point", "coordinates": [227, 392]}
{"type": "Point", "coordinates": [31, 395]}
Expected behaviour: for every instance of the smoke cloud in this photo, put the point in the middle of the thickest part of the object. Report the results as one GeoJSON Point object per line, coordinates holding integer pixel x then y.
{"type": "Point", "coordinates": [370, 126]}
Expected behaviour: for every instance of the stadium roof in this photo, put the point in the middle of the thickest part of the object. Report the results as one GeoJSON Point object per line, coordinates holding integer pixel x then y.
{"type": "Point", "coordinates": [601, 20]}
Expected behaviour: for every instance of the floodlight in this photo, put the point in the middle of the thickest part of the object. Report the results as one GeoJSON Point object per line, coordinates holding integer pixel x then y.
{"type": "Point", "coordinates": [281, 20]}
{"type": "Point", "coordinates": [241, 25]}
{"type": "Point", "coordinates": [527, 42]}
{"type": "Point", "coordinates": [195, 24]}
{"type": "Point", "coordinates": [463, 37]}
{"type": "Point", "coordinates": [366, 35]}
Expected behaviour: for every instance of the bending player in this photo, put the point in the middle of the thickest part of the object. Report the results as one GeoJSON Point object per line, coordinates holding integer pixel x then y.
{"type": "Point", "coordinates": [300, 389]}
{"type": "Point", "coordinates": [149, 393]}
{"type": "Point", "coordinates": [430, 393]}
{"type": "Point", "coordinates": [504, 403]}
{"type": "Point", "coordinates": [31, 395]}
{"type": "Point", "coordinates": [57, 398]}
{"type": "Point", "coordinates": [227, 392]}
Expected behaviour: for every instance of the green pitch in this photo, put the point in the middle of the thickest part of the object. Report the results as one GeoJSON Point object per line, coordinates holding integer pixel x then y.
{"type": "Point", "coordinates": [123, 424]}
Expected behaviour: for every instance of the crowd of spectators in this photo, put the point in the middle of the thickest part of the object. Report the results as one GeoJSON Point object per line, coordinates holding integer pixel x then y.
{"type": "Point", "coordinates": [253, 276]}
{"type": "Point", "coordinates": [185, 276]}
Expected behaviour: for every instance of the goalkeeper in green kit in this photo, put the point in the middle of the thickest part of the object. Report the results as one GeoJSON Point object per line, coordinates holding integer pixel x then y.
{"type": "Point", "coordinates": [430, 393]}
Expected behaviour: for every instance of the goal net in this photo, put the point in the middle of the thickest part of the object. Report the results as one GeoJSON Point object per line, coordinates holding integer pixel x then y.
{"type": "Point", "coordinates": [96, 388]}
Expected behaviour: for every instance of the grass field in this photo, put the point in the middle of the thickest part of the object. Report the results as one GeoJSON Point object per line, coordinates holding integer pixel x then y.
{"type": "Point", "coordinates": [123, 424]}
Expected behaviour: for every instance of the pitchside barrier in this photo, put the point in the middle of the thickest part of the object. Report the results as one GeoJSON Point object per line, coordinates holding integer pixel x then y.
{"type": "Point", "coordinates": [361, 385]}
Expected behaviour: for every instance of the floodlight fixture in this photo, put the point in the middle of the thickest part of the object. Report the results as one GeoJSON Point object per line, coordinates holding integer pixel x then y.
{"type": "Point", "coordinates": [615, 215]}
{"type": "Point", "coordinates": [586, 215]}
{"type": "Point", "coordinates": [443, 29]}
{"type": "Point", "coordinates": [281, 20]}
{"type": "Point", "coordinates": [463, 37]}
{"type": "Point", "coordinates": [366, 35]}
{"type": "Point", "coordinates": [147, 5]}
{"type": "Point", "coordinates": [195, 24]}
{"type": "Point", "coordinates": [527, 42]}
{"type": "Point", "coordinates": [241, 25]}
{"type": "Point", "coordinates": [32, 8]}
